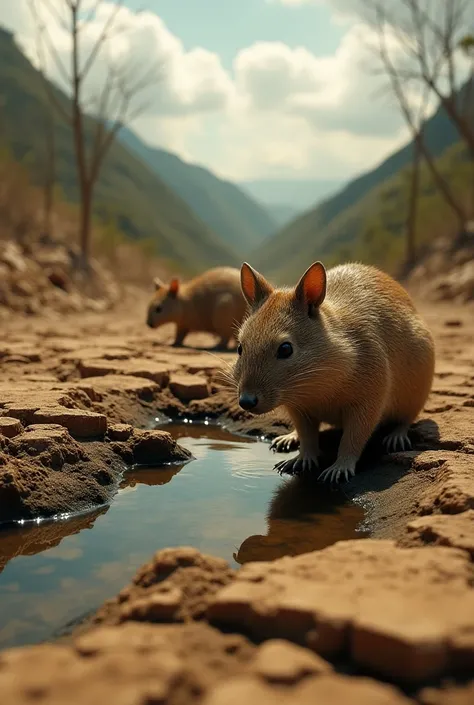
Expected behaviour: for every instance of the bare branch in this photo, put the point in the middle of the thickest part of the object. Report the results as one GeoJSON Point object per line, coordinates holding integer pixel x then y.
{"type": "Point", "coordinates": [54, 12]}
{"type": "Point", "coordinates": [101, 40]}
{"type": "Point", "coordinates": [49, 89]}
{"type": "Point", "coordinates": [91, 13]}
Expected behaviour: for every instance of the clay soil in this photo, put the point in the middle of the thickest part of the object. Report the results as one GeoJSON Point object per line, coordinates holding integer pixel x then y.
{"type": "Point", "coordinates": [389, 619]}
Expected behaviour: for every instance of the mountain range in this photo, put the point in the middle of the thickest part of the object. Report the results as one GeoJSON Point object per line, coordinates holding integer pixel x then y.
{"type": "Point", "coordinates": [198, 220]}
{"type": "Point", "coordinates": [224, 207]}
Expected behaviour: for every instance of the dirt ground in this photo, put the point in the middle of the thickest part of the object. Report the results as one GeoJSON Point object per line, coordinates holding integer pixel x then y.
{"type": "Point", "coordinates": [388, 619]}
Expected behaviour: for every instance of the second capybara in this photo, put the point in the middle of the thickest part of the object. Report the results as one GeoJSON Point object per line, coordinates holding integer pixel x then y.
{"type": "Point", "coordinates": [211, 302]}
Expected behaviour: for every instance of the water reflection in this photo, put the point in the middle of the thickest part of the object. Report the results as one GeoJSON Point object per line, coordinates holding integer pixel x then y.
{"type": "Point", "coordinates": [30, 539]}
{"type": "Point", "coordinates": [302, 517]}
{"type": "Point", "coordinates": [228, 502]}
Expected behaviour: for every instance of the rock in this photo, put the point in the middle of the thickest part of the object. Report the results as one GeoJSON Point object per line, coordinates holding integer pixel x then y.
{"type": "Point", "coordinates": [133, 665]}
{"type": "Point", "coordinates": [177, 584]}
{"type": "Point", "coordinates": [82, 424]}
{"type": "Point", "coordinates": [442, 530]}
{"type": "Point", "coordinates": [280, 661]}
{"type": "Point", "coordinates": [448, 695]}
{"type": "Point", "coordinates": [201, 363]}
{"type": "Point", "coordinates": [38, 438]}
{"type": "Point", "coordinates": [10, 427]}
{"type": "Point", "coordinates": [156, 607]}
{"type": "Point", "coordinates": [396, 611]}
{"type": "Point", "coordinates": [155, 371]}
{"type": "Point", "coordinates": [452, 490]}
{"type": "Point", "coordinates": [45, 472]}
{"type": "Point", "coordinates": [157, 448]}
{"type": "Point", "coordinates": [189, 387]}
{"type": "Point", "coordinates": [59, 278]}
{"type": "Point", "coordinates": [327, 690]}
{"type": "Point", "coordinates": [120, 431]}
{"type": "Point", "coordinates": [11, 255]}
{"type": "Point", "coordinates": [117, 385]}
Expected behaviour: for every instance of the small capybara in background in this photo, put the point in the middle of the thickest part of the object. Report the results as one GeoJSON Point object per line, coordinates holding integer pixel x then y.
{"type": "Point", "coordinates": [211, 303]}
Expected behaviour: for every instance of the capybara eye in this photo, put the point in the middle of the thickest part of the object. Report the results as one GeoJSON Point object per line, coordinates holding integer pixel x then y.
{"type": "Point", "coordinates": [285, 350]}
{"type": "Point", "coordinates": [158, 309]}
{"type": "Point", "coordinates": [239, 350]}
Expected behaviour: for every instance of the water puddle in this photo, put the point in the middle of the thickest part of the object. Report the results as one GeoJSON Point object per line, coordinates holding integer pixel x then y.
{"type": "Point", "coordinates": [228, 502]}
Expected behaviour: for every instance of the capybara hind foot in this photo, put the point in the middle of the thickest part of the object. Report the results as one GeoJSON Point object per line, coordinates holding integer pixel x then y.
{"type": "Point", "coordinates": [397, 440]}
{"type": "Point", "coordinates": [342, 469]}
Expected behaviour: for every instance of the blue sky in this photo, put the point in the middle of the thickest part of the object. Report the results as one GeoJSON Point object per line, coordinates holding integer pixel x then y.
{"type": "Point", "coordinates": [250, 88]}
{"type": "Point", "coordinates": [225, 26]}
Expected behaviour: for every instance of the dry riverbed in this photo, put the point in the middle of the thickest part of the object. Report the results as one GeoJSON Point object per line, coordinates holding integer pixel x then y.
{"type": "Point", "coordinates": [388, 619]}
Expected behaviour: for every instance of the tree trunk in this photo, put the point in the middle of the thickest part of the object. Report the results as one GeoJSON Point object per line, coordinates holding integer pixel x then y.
{"type": "Point", "coordinates": [441, 183]}
{"type": "Point", "coordinates": [85, 189]}
{"type": "Point", "coordinates": [85, 226]}
{"type": "Point", "coordinates": [50, 176]}
{"type": "Point", "coordinates": [410, 245]}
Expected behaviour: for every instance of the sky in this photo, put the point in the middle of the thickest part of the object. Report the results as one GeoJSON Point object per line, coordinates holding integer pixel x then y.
{"type": "Point", "coordinates": [248, 88]}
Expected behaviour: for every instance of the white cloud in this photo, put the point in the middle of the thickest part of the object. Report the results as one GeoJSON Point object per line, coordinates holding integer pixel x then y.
{"type": "Point", "coordinates": [333, 93]}
{"type": "Point", "coordinates": [282, 110]}
{"type": "Point", "coordinates": [190, 82]}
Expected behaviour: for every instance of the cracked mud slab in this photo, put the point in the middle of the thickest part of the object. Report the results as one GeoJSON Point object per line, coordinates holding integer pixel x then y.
{"type": "Point", "coordinates": [331, 626]}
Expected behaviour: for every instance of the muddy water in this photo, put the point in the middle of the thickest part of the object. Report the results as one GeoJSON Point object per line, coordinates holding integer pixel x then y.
{"type": "Point", "coordinates": [228, 502]}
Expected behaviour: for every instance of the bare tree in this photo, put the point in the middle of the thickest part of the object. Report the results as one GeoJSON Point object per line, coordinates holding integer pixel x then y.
{"type": "Point", "coordinates": [49, 171]}
{"type": "Point", "coordinates": [47, 158]}
{"type": "Point", "coordinates": [115, 103]}
{"type": "Point", "coordinates": [466, 46]}
{"type": "Point", "coordinates": [418, 52]}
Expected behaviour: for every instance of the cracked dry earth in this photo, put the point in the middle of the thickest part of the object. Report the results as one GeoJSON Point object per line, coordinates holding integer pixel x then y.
{"type": "Point", "coordinates": [377, 621]}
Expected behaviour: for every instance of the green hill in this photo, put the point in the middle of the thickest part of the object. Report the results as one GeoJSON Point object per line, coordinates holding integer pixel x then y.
{"type": "Point", "coordinates": [224, 207]}
{"type": "Point", "coordinates": [371, 206]}
{"type": "Point", "coordinates": [140, 202]}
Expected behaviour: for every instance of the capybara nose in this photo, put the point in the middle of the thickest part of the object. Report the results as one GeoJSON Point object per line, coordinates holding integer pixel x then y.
{"type": "Point", "coordinates": [248, 401]}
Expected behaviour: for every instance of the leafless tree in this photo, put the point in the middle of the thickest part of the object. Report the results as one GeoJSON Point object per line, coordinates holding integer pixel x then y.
{"type": "Point", "coordinates": [466, 46]}
{"type": "Point", "coordinates": [47, 158]}
{"type": "Point", "coordinates": [119, 99]}
{"type": "Point", "coordinates": [419, 50]}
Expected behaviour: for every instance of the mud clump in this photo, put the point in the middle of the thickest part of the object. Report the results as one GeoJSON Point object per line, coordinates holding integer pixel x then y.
{"type": "Point", "coordinates": [45, 472]}
{"type": "Point", "coordinates": [178, 665]}
{"type": "Point", "coordinates": [396, 611]}
{"type": "Point", "coordinates": [155, 448]}
{"type": "Point", "coordinates": [176, 585]}
{"type": "Point", "coordinates": [131, 665]}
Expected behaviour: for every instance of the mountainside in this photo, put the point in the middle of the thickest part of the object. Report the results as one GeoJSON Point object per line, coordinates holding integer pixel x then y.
{"type": "Point", "coordinates": [127, 191]}
{"type": "Point", "coordinates": [224, 207]}
{"type": "Point", "coordinates": [299, 194]}
{"type": "Point", "coordinates": [335, 227]}
{"type": "Point", "coordinates": [282, 214]}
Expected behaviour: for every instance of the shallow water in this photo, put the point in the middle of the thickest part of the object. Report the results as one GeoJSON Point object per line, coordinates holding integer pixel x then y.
{"type": "Point", "coordinates": [228, 501]}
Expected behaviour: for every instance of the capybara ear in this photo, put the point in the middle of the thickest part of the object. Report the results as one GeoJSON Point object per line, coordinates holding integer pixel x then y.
{"type": "Point", "coordinates": [158, 283]}
{"type": "Point", "coordinates": [173, 287]}
{"type": "Point", "coordinates": [255, 287]}
{"type": "Point", "coordinates": [311, 288]}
